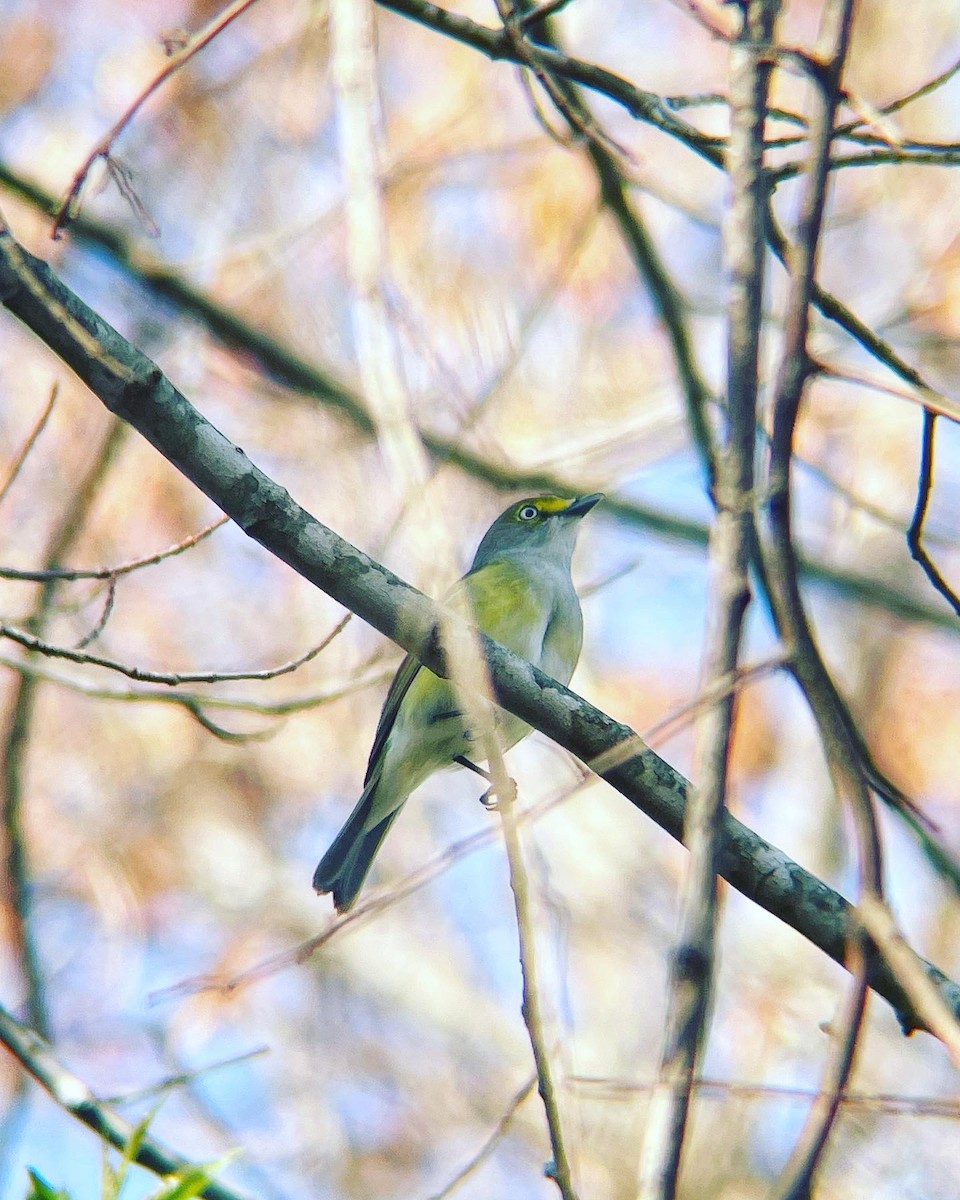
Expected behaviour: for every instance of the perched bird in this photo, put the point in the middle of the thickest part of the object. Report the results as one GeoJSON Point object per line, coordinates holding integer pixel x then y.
{"type": "Point", "coordinates": [520, 591]}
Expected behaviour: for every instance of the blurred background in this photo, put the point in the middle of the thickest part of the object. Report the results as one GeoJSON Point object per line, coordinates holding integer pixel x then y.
{"type": "Point", "coordinates": [170, 832]}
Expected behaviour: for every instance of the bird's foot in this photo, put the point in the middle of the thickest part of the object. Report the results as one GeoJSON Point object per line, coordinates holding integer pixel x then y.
{"type": "Point", "coordinates": [489, 798]}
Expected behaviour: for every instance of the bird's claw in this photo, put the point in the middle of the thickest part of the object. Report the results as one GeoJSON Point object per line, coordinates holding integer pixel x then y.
{"type": "Point", "coordinates": [489, 800]}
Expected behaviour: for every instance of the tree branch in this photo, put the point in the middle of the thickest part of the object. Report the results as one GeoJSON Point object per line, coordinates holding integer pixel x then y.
{"type": "Point", "coordinates": [72, 1094]}
{"type": "Point", "coordinates": [287, 368]}
{"type": "Point", "coordinates": [134, 388]}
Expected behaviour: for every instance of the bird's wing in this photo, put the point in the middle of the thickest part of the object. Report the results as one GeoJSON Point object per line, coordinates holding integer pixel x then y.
{"type": "Point", "coordinates": [562, 640]}
{"type": "Point", "coordinates": [506, 607]}
{"type": "Point", "coordinates": [406, 673]}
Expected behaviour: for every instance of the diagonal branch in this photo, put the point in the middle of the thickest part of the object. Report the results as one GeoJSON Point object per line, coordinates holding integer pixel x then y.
{"type": "Point", "coordinates": [133, 387]}
{"type": "Point", "coordinates": [498, 44]}
{"type": "Point", "coordinates": [72, 1094]}
{"type": "Point", "coordinates": [284, 366]}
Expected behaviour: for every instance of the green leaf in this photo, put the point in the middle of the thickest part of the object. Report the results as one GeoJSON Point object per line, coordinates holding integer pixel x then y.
{"type": "Point", "coordinates": [192, 1180]}
{"type": "Point", "coordinates": [42, 1190]}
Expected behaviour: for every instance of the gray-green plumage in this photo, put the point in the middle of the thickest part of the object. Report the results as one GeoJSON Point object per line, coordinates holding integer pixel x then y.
{"type": "Point", "coordinates": [521, 592]}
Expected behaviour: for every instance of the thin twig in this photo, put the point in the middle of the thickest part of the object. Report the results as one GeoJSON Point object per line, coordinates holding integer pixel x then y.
{"type": "Point", "coordinates": [92, 634]}
{"type": "Point", "coordinates": [796, 1177]}
{"type": "Point", "coordinates": [360, 135]}
{"type": "Point", "coordinates": [103, 148]}
{"type": "Point", "coordinates": [540, 12]}
{"type": "Point", "coordinates": [936, 402]}
{"type": "Point", "coordinates": [924, 490]}
{"type": "Point", "coordinates": [21, 456]}
{"type": "Point", "coordinates": [667, 299]}
{"type": "Point", "coordinates": [372, 904]}
{"type": "Point", "coordinates": [368, 908]}
{"type": "Point", "coordinates": [652, 108]}
{"type": "Point", "coordinates": [192, 701]}
{"type": "Point", "coordinates": [910, 97]}
{"type": "Point", "coordinates": [581, 122]}
{"type": "Point", "coordinates": [946, 1107]}
{"type": "Point", "coordinates": [879, 923]}
{"type": "Point", "coordinates": [71, 574]}
{"type": "Point", "coordinates": [497, 44]}
{"type": "Point", "coordinates": [181, 1079]}
{"type": "Point", "coordinates": [169, 678]}
{"type": "Point", "coordinates": [559, 1169]}
{"type": "Point", "coordinates": [489, 1145]}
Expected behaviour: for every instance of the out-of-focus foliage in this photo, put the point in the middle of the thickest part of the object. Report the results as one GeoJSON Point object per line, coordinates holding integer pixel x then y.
{"type": "Point", "coordinates": [162, 857]}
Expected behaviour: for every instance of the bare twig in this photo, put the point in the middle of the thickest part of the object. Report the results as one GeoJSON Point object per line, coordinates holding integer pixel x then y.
{"type": "Point", "coordinates": [559, 1169]}
{"type": "Point", "coordinates": [71, 574]}
{"type": "Point", "coordinates": [169, 678]}
{"type": "Point", "coordinates": [706, 20]}
{"type": "Point", "coordinates": [514, 14]}
{"type": "Point", "coordinates": [193, 700]}
{"type": "Point", "coordinates": [490, 1144]}
{"type": "Point", "coordinates": [101, 623]}
{"type": "Point", "coordinates": [195, 705]}
{"type": "Point", "coordinates": [181, 1079]}
{"type": "Point", "coordinates": [21, 456]}
{"type": "Point", "coordinates": [373, 904]}
{"type": "Point", "coordinates": [649, 264]}
{"type": "Point", "coordinates": [935, 402]}
{"type": "Point", "coordinates": [540, 12]}
{"type": "Point", "coordinates": [915, 532]}
{"type": "Point", "coordinates": [947, 1107]}
{"type": "Point", "coordinates": [359, 111]}
{"type": "Point", "coordinates": [797, 1174]}
{"type": "Point", "coordinates": [879, 923]}
{"type": "Point", "coordinates": [103, 148]}
{"type": "Point", "coordinates": [497, 44]}
{"type": "Point", "coordinates": [893, 106]}
{"type": "Point", "coordinates": [368, 908]}
{"type": "Point", "coordinates": [651, 108]}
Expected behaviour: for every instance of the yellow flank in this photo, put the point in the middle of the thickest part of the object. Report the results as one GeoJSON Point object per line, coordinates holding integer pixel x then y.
{"type": "Point", "coordinates": [506, 607]}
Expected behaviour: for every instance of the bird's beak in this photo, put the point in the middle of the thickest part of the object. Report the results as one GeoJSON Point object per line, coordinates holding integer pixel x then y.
{"type": "Point", "coordinates": [582, 505]}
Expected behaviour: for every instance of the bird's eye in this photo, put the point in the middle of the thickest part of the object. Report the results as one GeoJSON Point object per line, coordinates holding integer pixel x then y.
{"type": "Point", "coordinates": [529, 512]}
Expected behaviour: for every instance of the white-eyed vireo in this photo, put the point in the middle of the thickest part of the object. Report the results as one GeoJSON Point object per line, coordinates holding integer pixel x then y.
{"type": "Point", "coordinates": [521, 593]}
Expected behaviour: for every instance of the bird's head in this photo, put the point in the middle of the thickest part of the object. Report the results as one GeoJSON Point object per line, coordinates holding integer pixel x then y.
{"type": "Point", "coordinates": [541, 524]}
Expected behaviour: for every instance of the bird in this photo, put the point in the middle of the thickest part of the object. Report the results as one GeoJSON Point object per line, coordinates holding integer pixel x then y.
{"type": "Point", "coordinates": [520, 592]}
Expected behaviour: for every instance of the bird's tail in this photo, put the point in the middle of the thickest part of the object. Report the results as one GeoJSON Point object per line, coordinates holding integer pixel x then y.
{"type": "Point", "coordinates": [344, 867]}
